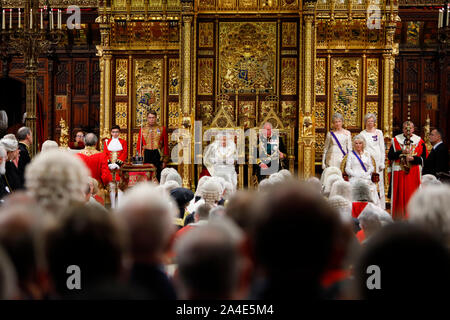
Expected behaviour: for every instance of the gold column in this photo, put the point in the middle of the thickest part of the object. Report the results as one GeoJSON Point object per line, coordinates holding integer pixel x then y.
{"type": "Point", "coordinates": [186, 59]}
{"type": "Point", "coordinates": [306, 152]}
{"type": "Point", "coordinates": [107, 98]}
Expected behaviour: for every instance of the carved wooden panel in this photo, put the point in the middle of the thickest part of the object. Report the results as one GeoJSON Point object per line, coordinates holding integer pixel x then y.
{"type": "Point", "coordinates": [62, 78]}
{"type": "Point", "coordinates": [80, 75]}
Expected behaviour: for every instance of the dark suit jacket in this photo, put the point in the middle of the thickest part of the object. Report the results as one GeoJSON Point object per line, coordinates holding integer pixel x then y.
{"type": "Point", "coordinates": [152, 280]}
{"type": "Point", "coordinates": [437, 160]}
{"type": "Point", "coordinates": [12, 177]}
{"type": "Point", "coordinates": [24, 160]}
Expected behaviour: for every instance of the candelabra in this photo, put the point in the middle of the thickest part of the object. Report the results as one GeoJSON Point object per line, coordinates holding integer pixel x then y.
{"type": "Point", "coordinates": [34, 34]}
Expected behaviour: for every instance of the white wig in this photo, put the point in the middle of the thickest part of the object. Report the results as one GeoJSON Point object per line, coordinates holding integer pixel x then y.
{"type": "Point", "coordinates": [384, 217]}
{"type": "Point", "coordinates": [430, 207]}
{"type": "Point", "coordinates": [313, 183]}
{"type": "Point", "coordinates": [174, 176]}
{"type": "Point", "coordinates": [343, 189]}
{"type": "Point", "coordinates": [429, 180]}
{"type": "Point", "coordinates": [10, 143]}
{"type": "Point", "coordinates": [265, 185]}
{"type": "Point", "coordinates": [164, 174]}
{"type": "Point", "coordinates": [286, 174]}
{"type": "Point", "coordinates": [328, 172]}
{"type": "Point", "coordinates": [200, 183]}
{"type": "Point", "coordinates": [329, 184]}
{"type": "Point", "coordinates": [170, 185]}
{"type": "Point", "coordinates": [229, 190]}
{"type": "Point", "coordinates": [361, 191]}
{"type": "Point", "coordinates": [49, 145]}
{"type": "Point", "coordinates": [276, 178]}
{"type": "Point", "coordinates": [211, 192]}
{"type": "Point", "coordinates": [57, 179]}
{"type": "Point", "coordinates": [343, 206]}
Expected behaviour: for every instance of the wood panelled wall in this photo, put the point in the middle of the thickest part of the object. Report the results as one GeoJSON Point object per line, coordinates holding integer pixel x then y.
{"type": "Point", "coordinates": [419, 71]}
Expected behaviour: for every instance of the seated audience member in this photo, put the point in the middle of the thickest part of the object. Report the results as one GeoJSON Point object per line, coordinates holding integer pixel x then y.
{"type": "Point", "coordinates": [361, 196]}
{"type": "Point", "coordinates": [8, 278]}
{"type": "Point", "coordinates": [430, 208]}
{"type": "Point", "coordinates": [182, 197]}
{"type": "Point", "coordinates": [330, 182]}
{"type": "Point", "coordinates": [56, 180]}
{"type": "Point", "coordinates": [343, 206]}
{"type": "Point", "coordinates": [4, 189]}
{"type": "Point", "coordinates": [217, 213]}
{"type": "Point", "coordinates": [413, 264]}
{"type": "Point", "coordinates": [148, 213]}
{"type": "Point", "coordinates": [164, 173]}
{"type": "Point", "coordinates": [437, 160]}
{"type": "Point", "coordinates": [429, 180]}
{"type": "Point", "coordinates": [78, 144]}
{"type": "Point", "coordinates": [315, 184]}
{"type": "Point", "coordinates": [370, 223]}
{"type": "Point", "coordinates": [297, 216]}
{"type": "Point", "coordinates": [240, 209]}
{"type": "Point", "coordinates": [329, 171]}
{"type": "Point", "coordinates": [201, 216]}
{"type": "Point", "coordinates": [343, 189]}
{"type": "Point", "coordinates": [208, 264]}
{"type": "Point", "coordinates": [92, 240]}
{"type": "Point", "coordinates": [12, 175]}
{"type": "Point", "coordinates": [49, 145]}
{"type": "Point", "coordinates": [95, 191]}
{"type": "Point", "coordinates": [170, 185]}
{"type": "Point", "coordinates": [174, 176]}
{"type": "Point", "coordinates": [20, 236]}
{"type": "Point", "coordinates": [90, 200]}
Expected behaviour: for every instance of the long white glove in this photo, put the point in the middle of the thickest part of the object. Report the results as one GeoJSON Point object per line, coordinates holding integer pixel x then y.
{"type": "Point", "coordinates": [113, 166]}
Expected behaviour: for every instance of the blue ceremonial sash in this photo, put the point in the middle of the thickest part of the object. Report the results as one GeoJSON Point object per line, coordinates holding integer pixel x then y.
{"type": "Point", "coordinates": [338, 143]}
{"type": "Point", "coordinates": [360, 161]}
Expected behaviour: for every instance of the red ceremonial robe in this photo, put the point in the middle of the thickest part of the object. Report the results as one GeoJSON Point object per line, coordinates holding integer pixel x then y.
{"type": "Point", "coordinates": [403, 184]}
{"type": "Point", "coordinates": [122, 154]}
{"type": "Point", "coordinates": [98, 166]}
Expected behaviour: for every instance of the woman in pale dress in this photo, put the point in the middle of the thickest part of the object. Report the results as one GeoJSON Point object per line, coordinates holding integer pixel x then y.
{"type": "Point", "coordinates": [359, 166]}
{"type": "Point", "coordinates": [220, 158]}
{"type": "Point", "coordinates": [332, 152]}
{"type": "Point", "coordinates": [375, 146]}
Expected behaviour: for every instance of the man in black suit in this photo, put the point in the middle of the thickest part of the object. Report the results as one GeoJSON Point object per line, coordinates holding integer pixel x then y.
{"type": "Point", "coordinates": [437, 160]}
{"type": "Point", "coordinates": [25, 138]}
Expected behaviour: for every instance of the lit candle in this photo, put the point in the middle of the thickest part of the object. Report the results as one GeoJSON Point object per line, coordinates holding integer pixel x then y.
{"type": "Point", "coordinates": [10, 19]}
{"type": "Point", "coordinates": [409, 98]}
{"type": "Point", "coordinates": [59, 19]}
{"type": "Point", "coordinates": [51, 19]}
{"type": "Point", "coordinates": [448, 14]}
{"type": "Point", "coordinates": [441, 13]}
{"type": "Point", "coordinates": [31, 18]}
{"type": "Point", "coordinates": [42, 19]}
{"type": "Point", "coordinates": [3, 19]}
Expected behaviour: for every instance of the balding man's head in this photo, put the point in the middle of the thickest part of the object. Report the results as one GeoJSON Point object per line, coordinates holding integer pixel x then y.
{"type": "Point", "coordinates": [91, 140]}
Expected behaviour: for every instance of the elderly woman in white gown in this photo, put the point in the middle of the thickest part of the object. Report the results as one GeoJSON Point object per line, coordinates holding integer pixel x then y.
{"type": "Point", "coordinates": [338, 143]}
{"type": "Point", "coordinates": [359, 166]}
{"type": "Point", "coordinates": [220, 157]}
{"type": "Point", "coordinates": [375, 145]}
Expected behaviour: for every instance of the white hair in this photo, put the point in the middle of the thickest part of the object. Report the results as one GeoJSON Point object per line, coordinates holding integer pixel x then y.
{"type": "Point", "coordinates": [370, 222]}
{"type": "Point", "coordinates": [430, 207]}
{"type": "Point", "coordinates": [359, 137]}
{"type": "Point", "coordinates": [343, 206]}
{"type": "Point", "coordinates": [429, 180]}
{"type": "Point", "coordinates": [370, 115]}
{"type": "Point", "coordinates": [361, 191]}
{"type": "Point", "coordinates": [211, 192]}
{"type": "Point", "coordinates": [56, 179]}
{"type": "Point", "coordinates": [49, 145]}
{"type": "Point", "coordinates": [343, 189]}
{"type": "Point", "coordinates": [337, 116]}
